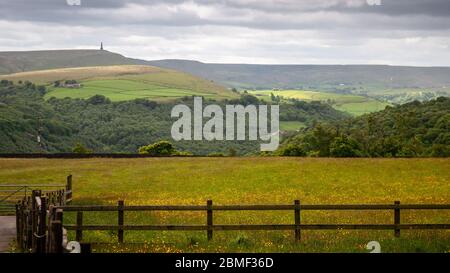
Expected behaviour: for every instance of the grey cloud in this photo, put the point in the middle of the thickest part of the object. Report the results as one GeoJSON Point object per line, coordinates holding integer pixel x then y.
{"type": "Point", "coordinates": [389, 7]}
{"type": "Point", "coordinates": [432, 8]}
{"type": "Point", "coordinates": [290, 31]}
{"type": "Point", "coordinates": [95, 12]}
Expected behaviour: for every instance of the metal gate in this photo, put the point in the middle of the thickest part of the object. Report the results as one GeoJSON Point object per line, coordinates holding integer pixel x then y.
{"type": "Point", "coordinates": [11, 194]}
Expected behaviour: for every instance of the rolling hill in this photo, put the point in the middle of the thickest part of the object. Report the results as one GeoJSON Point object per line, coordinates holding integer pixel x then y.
{"type": "Point", "coordinates": [107, 126]}
{"type": "Point", "coordinates": [392, 84]}
{"type": "Point", "coordinates": [22, 61]}
{"type": "Point", "coordinates": [353, 104]}
{"type": "Point", "coordinates": [383, 83]}
{"type": "Point", "coordinates": [123, 82]}
{"type": "Point", "coordinates": [128, 119]}
{"type": "Point", "coordinates": [331, 77]}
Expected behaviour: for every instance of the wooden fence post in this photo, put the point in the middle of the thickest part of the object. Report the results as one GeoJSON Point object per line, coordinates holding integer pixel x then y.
{"type": "Point", "coordinates": [297, 220]}
{"type": "Point", "coordinates": [50, 218]}
{"type": "Point", "coordinates": [79, 235]}
{"type": "Point", "coordinates": [209, 219]}
{"type": "Point", "coordinates": [34, 219]}
{"type": "Point", "coordinates": [58, 232]}
{"type": "Point", "coordinates": [120, 220]}
{"type": "Point", "coordinates": [68, 194]}
{"type": "Point", "coordinates": [29, 224]}
{"type": "Point", "coordinates": [32, 222]}
{"type": "Point", "coordinates": [59, 197]}
{"type": "Point", "coordinates": [397, 218]}
{"type": "Point", "coordinates": [40, 244]}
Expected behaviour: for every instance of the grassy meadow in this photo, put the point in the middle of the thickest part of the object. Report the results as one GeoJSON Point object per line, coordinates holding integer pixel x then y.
{"type": "Point", "coordinates": [353, 104]}
{"type": "Point", "coordinates": [126, 89]}
{"type": "Point", "coordinates": [361, 108]}
{"type": "Point", "coordinates": [291, 125]}
{"type": "Point", "coordinates": [180, 181]}
{"type": "Point", "coordinates": [124, 82]}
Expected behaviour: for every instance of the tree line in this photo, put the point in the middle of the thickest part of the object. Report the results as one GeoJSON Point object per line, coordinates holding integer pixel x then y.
{"type": "Point", "coordinates": [100, 126]}
{"type": "Point", "coordinates": [416, 129]}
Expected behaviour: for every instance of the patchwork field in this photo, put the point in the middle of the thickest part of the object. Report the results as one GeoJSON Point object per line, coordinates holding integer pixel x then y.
{"type": "Point", "coordinates": [250, 181]}
{"type": "Point", "coordinates": [127, 89]}
{"type": "Point", "coordinates": [125, 82]}
{"type": "Point", "coordinates": [353, 104]}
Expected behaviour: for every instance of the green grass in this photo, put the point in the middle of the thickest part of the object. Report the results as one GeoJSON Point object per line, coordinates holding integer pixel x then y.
{"type": "Point", "coordinates": [362, 108]}
{"type": "Point", "coordinates": [124, 89]}
{"type": "Point", "coordinates": [312, 95]}
{"type": "Point", "coordinates": [124, 82]}
{"type": "Point", "coordinates": [50, 59]}
{"type": "Point", "coordinates": [353, 104]}
{"type": "Point", "coordinates": [291, 125]}
{"type": "Point", "coordinates": [268, 180]}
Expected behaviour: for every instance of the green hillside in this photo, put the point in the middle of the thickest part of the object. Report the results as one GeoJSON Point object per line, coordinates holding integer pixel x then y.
{"type": "Point", "coordinates": [393, 84]}
{"type": "Point", "coordinates": [118, 127]}
{"type": "Point", "coordinates": [353, 104]}
{"type": "Point", "coordinates": [358, 78]}
{"type": "Point", "coordinates": [124, 82]}
{"type": "Point", "coordinates": [22, 61]}
{"type": "Point", "coordinates": [411, 130]}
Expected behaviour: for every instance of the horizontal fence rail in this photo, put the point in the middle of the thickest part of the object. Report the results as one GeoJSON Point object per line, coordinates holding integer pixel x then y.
{"type": "Point", "coordinates": [209, 208]}
{"type": "Point", "coordinates": [258, 227]}
{"type": "Point", "coordinates": [258, 207]}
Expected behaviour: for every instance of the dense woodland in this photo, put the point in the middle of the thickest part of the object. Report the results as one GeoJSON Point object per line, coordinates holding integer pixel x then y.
{"type": "Point", "coordinates": [416, 129]}
{"type": "Point", "coordinates": [102, 126]}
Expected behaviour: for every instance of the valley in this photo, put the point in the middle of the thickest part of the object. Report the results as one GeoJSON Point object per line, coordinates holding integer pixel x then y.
{"type": "Point", "coordinates": [124, 82]}
{"type": "Point", "coordinates": [353, 104]}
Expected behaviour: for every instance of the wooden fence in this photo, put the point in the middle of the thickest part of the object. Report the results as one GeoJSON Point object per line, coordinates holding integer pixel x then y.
{"type": "Point", "coordinates": [210, 227]}
{"type": "Point", "coordinates": [40, 226]}
{"type": "Point", "coordinates": [37, 219]}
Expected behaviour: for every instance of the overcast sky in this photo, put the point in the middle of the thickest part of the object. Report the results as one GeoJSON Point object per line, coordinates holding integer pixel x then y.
{"type": "Point", "coordinates": [396, 32]}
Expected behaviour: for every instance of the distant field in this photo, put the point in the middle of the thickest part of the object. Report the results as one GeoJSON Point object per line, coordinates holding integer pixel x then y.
{"type": "Point", "coordinates": [360, 108]}
{"type": "Point", "coordinates": [412, 91]}
{"type": "Point", "coordinates": [353, 104]}
{"type": "Point", "coordinates": [126, 89]}
{"type": "Point", "coordinates": [291, 125]}
{"type": "Point", "coordinates": [124, 82]}
{"type": "Point", "coordinates": [263, 180]}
